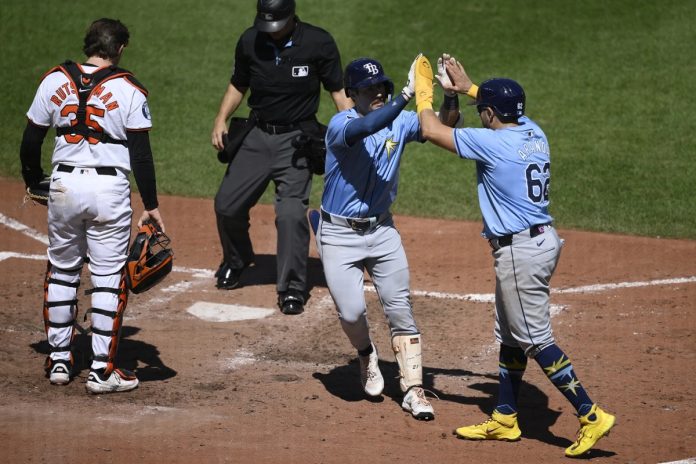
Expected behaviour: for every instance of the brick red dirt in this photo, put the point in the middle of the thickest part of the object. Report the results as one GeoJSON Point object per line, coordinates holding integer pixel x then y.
{"type": "Point", "coordinates": [286, 389]}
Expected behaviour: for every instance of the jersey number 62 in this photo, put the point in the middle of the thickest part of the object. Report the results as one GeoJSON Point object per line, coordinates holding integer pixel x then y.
{"type": "Point", "coordinates": [538, 180]}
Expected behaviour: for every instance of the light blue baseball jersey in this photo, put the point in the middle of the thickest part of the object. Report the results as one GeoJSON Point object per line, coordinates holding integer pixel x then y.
{"type": "Point", "coordinates": [513, 175]}
{"type": "Point", "coordinates": [361, 180]}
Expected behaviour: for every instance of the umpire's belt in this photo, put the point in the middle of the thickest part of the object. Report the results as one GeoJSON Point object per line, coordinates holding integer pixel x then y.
{"type": "Point", "coordinates": [102, 171]}
{"type": "Point", "coordinates": [358, 224]}
{"type": "Point", "coordinates": [276, 129]}
{"type": "Point", "coordinates": [506, 240]}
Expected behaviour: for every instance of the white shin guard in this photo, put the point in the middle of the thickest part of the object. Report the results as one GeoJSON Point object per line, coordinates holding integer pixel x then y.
{"type": "Point", "coordinates": [60, 311]}
{"type": "Point", "coordinates": [407, 350]}
{"type": "Point", "coordinates": [109, 300]}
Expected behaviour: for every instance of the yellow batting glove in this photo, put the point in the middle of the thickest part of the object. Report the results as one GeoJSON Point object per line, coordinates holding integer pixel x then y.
{"type": "Point", "coordinates": [424, 84]}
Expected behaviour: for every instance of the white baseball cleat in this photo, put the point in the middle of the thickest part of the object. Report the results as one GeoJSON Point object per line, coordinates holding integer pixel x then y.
{"type": "Point", "coordinates": [370, 375]}
{"type": "Point", "coordinates": [119, 381]}
{"type": "Point", "coordinates": [417, 404]}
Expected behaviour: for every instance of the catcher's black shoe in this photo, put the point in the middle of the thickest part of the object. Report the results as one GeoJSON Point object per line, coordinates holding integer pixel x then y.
{"type": "Point", "coordinates": [291, 302]}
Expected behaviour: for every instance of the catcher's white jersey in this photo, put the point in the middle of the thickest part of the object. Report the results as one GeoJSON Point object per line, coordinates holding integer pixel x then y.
{"type": "Point", "coordinates": [114, 106]}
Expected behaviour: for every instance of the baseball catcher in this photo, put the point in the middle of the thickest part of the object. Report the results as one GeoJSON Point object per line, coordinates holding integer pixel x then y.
{"type": "Point", "coordinates": [102, 120]}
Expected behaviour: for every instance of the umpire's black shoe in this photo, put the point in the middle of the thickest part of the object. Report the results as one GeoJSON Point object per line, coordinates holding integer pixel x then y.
{"type": "Point", "coordinates": [291, 302]}
{"type": "Point", "coordinates": [228, 278]}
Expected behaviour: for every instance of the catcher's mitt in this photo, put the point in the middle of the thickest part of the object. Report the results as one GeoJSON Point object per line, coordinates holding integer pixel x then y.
{"type": "Point", "coordinates": [38, 191]}
{"type": "Point", "coordinates": [149, 260]}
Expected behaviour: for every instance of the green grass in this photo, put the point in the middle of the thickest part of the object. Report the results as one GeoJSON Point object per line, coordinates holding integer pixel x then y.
{"type": "Point", "coordinates": [610, 83]}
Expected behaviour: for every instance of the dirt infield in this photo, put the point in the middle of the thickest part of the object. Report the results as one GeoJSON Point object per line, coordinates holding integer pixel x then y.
{"type": "Point", "coordinates": [286, 388]}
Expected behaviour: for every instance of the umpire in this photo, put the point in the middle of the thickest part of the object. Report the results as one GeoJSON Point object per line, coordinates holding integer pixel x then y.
{"type": "Point", "coordinates": [282, 61]}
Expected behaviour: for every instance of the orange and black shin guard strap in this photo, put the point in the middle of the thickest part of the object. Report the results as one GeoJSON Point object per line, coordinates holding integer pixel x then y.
{"type": "Point", "coordinates": [115, 332]}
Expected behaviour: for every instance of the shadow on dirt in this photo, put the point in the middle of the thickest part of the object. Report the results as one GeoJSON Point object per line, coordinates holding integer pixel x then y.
{"type": "Point", "coordinates": [263, 272]}
{"type": "Point", "coordinates": [535, 417]}
{"type": "Point", "coordinates": [131, 353]}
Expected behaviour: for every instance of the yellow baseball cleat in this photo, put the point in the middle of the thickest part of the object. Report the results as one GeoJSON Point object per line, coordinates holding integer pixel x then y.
{"type": "Point", "coordinates": [593, 426]}
{"type": "Point", "coordinates": [502, 427]}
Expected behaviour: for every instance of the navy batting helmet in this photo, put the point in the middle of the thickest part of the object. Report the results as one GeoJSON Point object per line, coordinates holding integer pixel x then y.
{"type": "Point", "coordinates": [505, 96]}
{"type": "Point", "coordinates": [273, 15]}
{"type": "Point", "coordinates": [365, 72]}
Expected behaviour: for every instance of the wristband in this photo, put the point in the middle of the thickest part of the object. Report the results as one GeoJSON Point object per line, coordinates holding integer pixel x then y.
{"type": "Point", "coordinates": [424, 105]}
{"type": "Point", "coordinates": [473, 91]}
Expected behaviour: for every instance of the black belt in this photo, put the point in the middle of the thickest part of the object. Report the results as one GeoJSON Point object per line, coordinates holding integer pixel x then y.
{"type": "Point", "coordinates": [506, 240]}
{"type": "Point", "coordinates": [276, 129]}
{"type": "Point", "coordinates": [357, 224]}
{"type": "Point", "coordinates": [102, 171]}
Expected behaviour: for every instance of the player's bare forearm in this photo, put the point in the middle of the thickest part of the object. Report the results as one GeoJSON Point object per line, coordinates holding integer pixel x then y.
{"type": "Point", "coordinates": [435, 131]}
{"type": "Point", "coordinates": [449, 111]}
{"type": "Point", "coordinates": [341, 100]}
{"type": "Point", "coordinates": [229, 104]}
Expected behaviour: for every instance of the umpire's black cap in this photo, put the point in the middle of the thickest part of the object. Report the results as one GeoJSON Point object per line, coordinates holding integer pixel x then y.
{"type": "Point", "coordinates": [273, 15]}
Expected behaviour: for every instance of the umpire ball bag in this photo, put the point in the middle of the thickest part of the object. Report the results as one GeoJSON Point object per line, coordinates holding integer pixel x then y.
{"type": "Point", "coordinates": [237, 132]}
{"type": "Point", "coordinates": [149, 259]}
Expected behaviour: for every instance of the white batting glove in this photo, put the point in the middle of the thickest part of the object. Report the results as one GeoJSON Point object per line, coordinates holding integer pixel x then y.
{"type": "Point", "coordinates": [443, 77]}
{"type": "Point", "coordinates": [409, 91]}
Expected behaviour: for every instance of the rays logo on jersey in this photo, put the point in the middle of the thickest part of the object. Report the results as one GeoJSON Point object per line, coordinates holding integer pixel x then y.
{"type": "Point", "coordinates": [146, 111]}
{"type": "Point", "coordinates": [390, 145]}
{"type": "Point", "coordinates": [300, 71]}
{"type": "Point", "coordinates": [371, 68]}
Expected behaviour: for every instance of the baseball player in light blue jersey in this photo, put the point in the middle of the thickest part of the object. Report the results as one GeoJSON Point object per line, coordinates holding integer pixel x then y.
{"type": "Point", "coordinates": [513, 173]}
{"type": "Point", "coordinates": [364, 146]}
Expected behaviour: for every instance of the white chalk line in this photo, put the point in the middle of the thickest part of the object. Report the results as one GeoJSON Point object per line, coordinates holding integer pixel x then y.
{"type": "Point", "coordinates": [474, 297]}
{"type": "Point", "coordinates": [26, 230]}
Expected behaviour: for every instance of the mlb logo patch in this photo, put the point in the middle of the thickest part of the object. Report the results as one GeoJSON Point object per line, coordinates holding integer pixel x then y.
{"type": "Point", "coordinates": [300, 71]}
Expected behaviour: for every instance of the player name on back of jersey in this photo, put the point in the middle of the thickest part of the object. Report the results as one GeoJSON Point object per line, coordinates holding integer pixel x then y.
{"type": "Point", "coordinates": [538, 145]}
{"type": "Point", "coordinates": [63, 91]}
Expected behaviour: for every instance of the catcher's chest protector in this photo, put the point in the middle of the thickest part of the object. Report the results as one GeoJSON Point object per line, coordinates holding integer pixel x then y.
{"type": "Point", "coordinates": [85, 84]}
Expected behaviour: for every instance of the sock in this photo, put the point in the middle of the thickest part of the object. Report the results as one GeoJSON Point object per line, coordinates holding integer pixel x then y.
{"type": "Point", "coordinates": [559, 370]}
{"type": "Point", "coordinates": [512, 363]}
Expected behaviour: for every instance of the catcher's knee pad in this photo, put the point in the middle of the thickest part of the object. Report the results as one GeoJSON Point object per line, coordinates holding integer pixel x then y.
{"type": "Point", "coordinates": [408, 353]}
{"type": "Point", "coordinates": [109, 301]}
{"type": "Point", "coordinates": [60, 310]}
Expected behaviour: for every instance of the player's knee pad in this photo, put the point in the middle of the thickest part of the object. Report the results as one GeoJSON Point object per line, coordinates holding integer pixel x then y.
{"type": "Point", "coordinates": [60, 310]}
{"type": "Point", "coordinates": [109, 301]}
{"type": "Point", "coordinates": [408, 353]}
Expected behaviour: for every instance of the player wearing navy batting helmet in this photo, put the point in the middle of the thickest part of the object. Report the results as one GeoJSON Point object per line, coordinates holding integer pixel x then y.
{"type": "Point", "coordinates": [357, 233]}
{"type": "Point", "coordinates": [513, 165]}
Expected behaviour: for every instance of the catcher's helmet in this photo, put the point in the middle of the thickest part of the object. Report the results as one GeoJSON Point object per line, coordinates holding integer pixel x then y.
{"type": "Point", "coordinates": [149, 260]}
{"type": "Point", "coordinates": [273, 15]}
{"type": "Point", "coordinates": [365, 72]}
{"type": "Point", "coordinates": [505, 96]}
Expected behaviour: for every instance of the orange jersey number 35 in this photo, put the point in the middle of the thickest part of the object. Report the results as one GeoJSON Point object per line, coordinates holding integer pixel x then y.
{"type": "Point", "coordinates": [93, 124]}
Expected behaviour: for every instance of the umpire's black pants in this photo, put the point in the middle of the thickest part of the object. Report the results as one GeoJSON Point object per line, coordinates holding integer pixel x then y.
{"type": "Point", "coordinates": [263, 158]}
